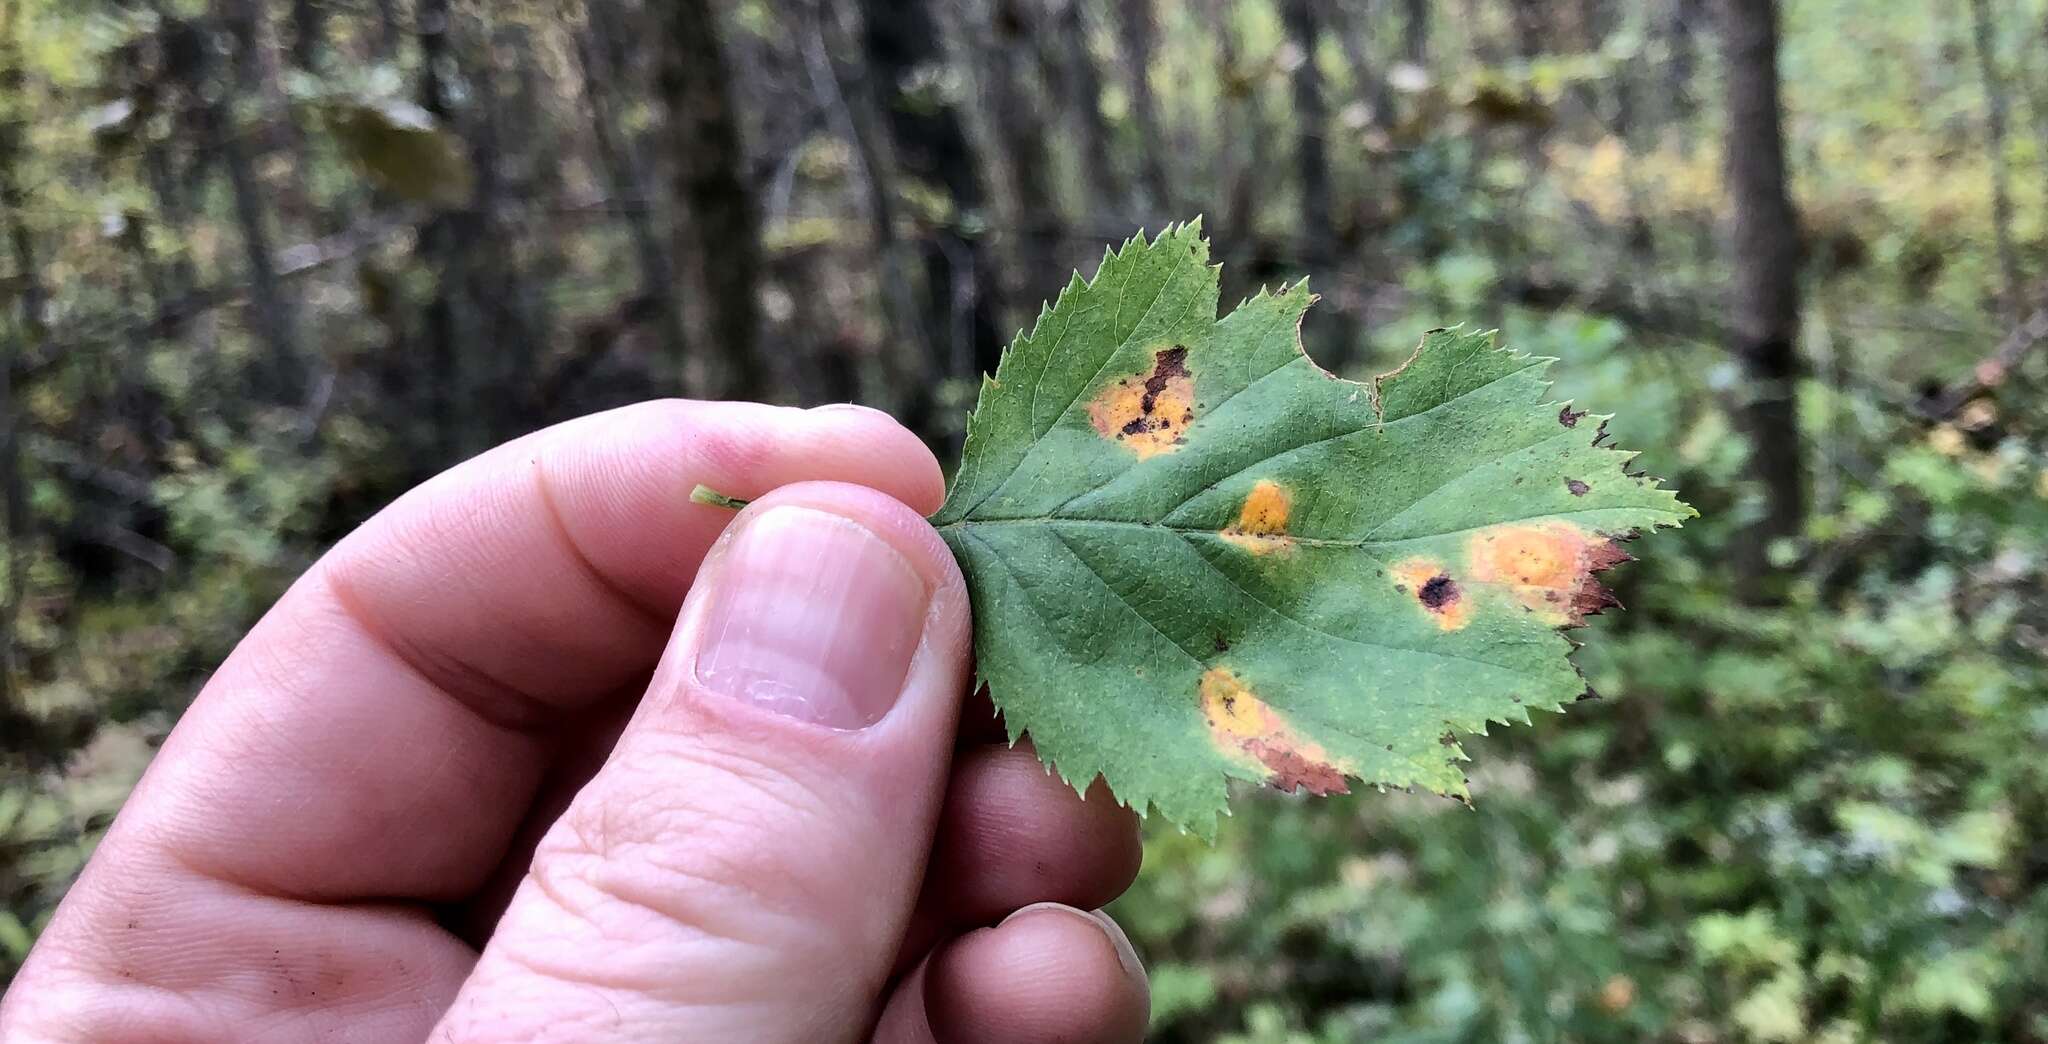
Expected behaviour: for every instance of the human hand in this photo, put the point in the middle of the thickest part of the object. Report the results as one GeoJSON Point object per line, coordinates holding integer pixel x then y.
{"type": "Point", "coordinates": [473, 779]}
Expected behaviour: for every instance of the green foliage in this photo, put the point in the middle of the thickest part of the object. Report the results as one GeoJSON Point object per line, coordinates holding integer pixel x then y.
{"type": "Point", "coordinates": [1196, 556]}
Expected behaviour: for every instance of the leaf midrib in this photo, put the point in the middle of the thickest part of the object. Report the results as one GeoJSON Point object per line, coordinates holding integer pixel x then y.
{"type": "Point", "coordinates": [1380, 423]}
{"type": "Point", "coordinates": [1308, 541]}
{"type": "Point", "coordinates": [1323, 721]}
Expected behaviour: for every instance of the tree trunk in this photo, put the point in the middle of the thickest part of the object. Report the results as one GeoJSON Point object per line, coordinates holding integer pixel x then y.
{"type": "Point", "coordinates": [1764, 255]}
{"type": "Point", "coordinates": [720, 234]}
{"type": "Point", "coordinates": [1354, 32]}
{"type": "Point", "coordinates": [1532, 27]}
{"type": "Point", "coordinates": [282, 375]}
{"type": "Point", "coordinates": [601, 53]}
{"type": "Point", "coordinates": [1137, 36]}
{"type": "Point", "coordinates": [929, 143]}
{"type": "Point", "coordinates": [1683, 58]}
{"type": "Point", "coordinates": [266, 121]}
{"type": "Point", "coordinates": [506, 345]}
{"type": "Point", "coordinates": [1017, 126]}
{"type": "Point", "coordinates": [385, 47]}
{"type": "Point", "coordinates": [14, 503]}
{"type": "Point", "coordinates": [23, 333]}
{"type": "Point", "coordinates": [1311, 124]}
{"type": "Point", "coordinates": [1240, 138]}
{"type": "Point", "coordinates": [1415, 32]}
{"type": "Point", "coordinates": [1322, 330]}
{"type": "Point", "coordinates": [1071, 66]}
{"type": "Point", "coordinates": [309, 29]}
{"type": "Point", "coordinates": [1997, 116]}
{"type": "Point", "coordinates": [839, 76]}
{"type": "Point", "coordinates": [442, 246]}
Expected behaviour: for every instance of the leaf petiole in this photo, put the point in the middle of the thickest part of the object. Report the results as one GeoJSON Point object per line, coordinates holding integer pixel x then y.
{"type": "Point", "coordinates": [704, 494]}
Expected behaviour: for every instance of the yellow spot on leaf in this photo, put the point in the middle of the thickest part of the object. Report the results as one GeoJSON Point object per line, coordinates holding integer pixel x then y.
{"type": "Point", "coordinates": [1261, 526]}
{"type": "Point", "coordinates": [1149, 413]}
{"type": "Point", "coordinates": [1435, 592]}
{"type": "Point", "coordinates": [1249, 731]}
{"type": "Point", "coordinates": [1547, 566]}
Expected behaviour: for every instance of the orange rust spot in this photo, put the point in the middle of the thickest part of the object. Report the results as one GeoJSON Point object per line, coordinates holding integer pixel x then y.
{"type": "Point", "coordinates": [1548, 566]}
{"type": "Point", "coordinates": [1435, 590]}
{"type": "Point", "coordinates": [1261, 526]}
{"type": "Point", "coordinates": [1149, 414]}
{"type": "Point", "coordinates": [1250, 732]}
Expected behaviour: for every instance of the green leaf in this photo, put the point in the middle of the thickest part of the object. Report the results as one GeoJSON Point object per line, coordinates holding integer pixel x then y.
{"type": "Point", "coordinates": [1195, 556]}
{"type": "Point", "coordinates": [403, 148]}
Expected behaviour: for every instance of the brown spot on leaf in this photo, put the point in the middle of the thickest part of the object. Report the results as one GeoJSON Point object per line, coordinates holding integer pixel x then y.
{"type": "Point", "coordinates": [1439, 591]}
{"type": "Point", "coordinates": [1577, 488]}
{"type": "Point", "coordinates": [1247, 730]}
{"type": "Point", "coordinates": [1261, 525]}
{"type": "Point", "coordinates": [1569, 417]}
{"type": "Point", "coordinates": [1149, 413]}
{"type": "Point", "coordinates": [1434, 589]}
{"type": "Point", "coordinates": [1548, 566]}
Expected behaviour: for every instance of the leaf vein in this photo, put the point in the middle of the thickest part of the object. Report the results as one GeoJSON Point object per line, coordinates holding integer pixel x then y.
{"type": "Point", "coordinates": [1410, 507]}
{"type": "Point", "coordinates": [1038, 435]}
{"type": "Point", "coordinates": [1311, 541]}
{"type": "Point", "coordinates": [1124, 600]}
{"type": "Point", "coordinates": [1332, 635]}
{"type": "Point", "coordinates": [1213, 410]}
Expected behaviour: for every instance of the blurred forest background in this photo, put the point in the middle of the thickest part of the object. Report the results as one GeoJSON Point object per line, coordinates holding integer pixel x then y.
{"type": "Point", "coordinates": [268, 264]}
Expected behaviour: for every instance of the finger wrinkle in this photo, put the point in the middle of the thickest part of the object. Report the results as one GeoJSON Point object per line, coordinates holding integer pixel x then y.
{"type": "Point", "coordinates": [658, 618]}
{"type": "Point", "coordinates": [496, 701]}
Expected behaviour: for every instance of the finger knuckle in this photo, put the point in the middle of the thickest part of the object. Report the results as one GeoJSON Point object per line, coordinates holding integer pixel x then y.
{"type": "Point", "coordinates": [711, 844]}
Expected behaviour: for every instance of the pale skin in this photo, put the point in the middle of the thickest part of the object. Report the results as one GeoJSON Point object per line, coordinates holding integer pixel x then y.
{"type": "Point", "coordinates": [534, 755]}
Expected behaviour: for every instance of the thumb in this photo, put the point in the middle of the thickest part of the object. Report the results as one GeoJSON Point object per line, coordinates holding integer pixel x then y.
{"type": "Point", "coordinates": [743, 866]}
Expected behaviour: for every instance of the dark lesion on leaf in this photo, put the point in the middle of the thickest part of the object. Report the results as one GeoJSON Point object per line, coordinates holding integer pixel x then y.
{"type": "Point", "coordinates": [1435, 590]}
{"type": "Point", "coordinates": [1150, 413]}
{"type": "Point", "coordinates": [1592, 597]}
{"type": "Point", "coordinates": [1577, 488]}
{"type": "Point", "coordinates": [1247, 730]}
{"type": "Point", "coordinates": [1569, 417]}
{"type": "Point", "coordinates": [1438, 592]}
{"type": "Point", "coordinates": [1549, 567]}
{"type": "Point", "coordinates": [1166, 366]}
{"type": "Point", "coordinates": [1292, 772]}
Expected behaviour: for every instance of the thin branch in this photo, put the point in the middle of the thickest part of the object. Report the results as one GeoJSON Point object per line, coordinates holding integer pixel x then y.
{"type": "Point", "coordinates": [1993, 369]}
